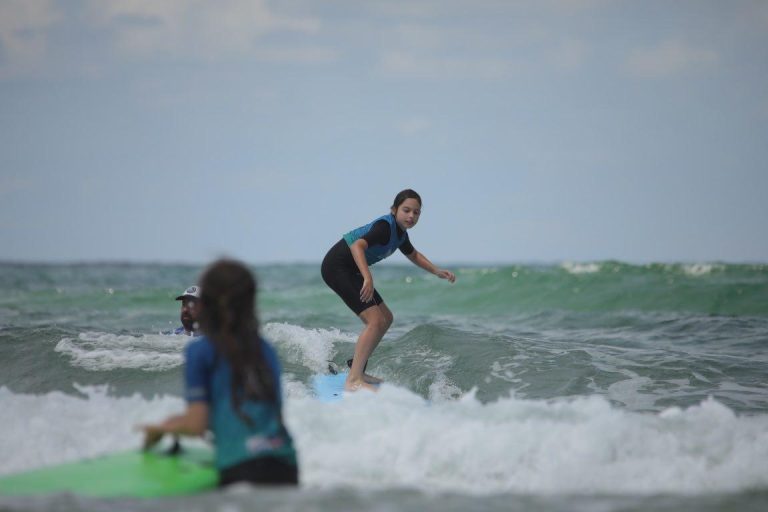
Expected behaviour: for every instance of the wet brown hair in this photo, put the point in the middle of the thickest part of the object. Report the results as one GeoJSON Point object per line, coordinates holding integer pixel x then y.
{"type": "Point", "coordinates": [403, 195]}
{"type": "Point", "coordinates": [227, 316]}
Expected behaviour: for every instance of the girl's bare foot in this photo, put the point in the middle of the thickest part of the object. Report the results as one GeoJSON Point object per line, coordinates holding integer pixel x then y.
{"type": "Point", "coordinates": [356, 384]}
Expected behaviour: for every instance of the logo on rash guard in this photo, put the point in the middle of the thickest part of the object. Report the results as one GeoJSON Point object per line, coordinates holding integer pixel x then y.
{"type": "Point", "coordinates": [256, 444]}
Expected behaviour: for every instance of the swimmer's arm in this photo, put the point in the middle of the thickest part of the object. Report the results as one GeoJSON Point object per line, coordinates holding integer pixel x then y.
{"type": "Point", "coordinates": [193, 422]}
{"type": "Point", "coordinates": [358, 254]}
{"type": "Point", "coordinates": [421, 261]}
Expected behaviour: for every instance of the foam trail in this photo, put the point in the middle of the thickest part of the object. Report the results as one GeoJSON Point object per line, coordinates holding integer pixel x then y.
{"type": "Point", "coordinates": [701, 269]}
{"type": "Point", "coordinates": [313, 348]}
{"type": "Point", "coordinates": [58, 427]}
{"type": "Point", "coordinates": [396, 439]}
{"type": "Point", "coordinates": [96, 351]}
{"type": "Point", "coordinates": [580, 268]}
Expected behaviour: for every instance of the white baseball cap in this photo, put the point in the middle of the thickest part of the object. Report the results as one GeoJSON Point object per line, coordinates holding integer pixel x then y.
{"type": "Point", "coordinates": [192, 292]}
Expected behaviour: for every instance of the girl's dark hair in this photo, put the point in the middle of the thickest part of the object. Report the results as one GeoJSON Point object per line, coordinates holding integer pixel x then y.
{"type": "Point", "coordinates": [403, 195]}
{"type": "Point", "coordinates": [227, 316]}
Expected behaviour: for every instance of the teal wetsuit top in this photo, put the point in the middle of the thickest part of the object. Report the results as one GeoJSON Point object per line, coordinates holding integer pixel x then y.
{"type": "Point", "coordinates": [208, 378]}
{"type": "Point", "coordinates": [376, 253]}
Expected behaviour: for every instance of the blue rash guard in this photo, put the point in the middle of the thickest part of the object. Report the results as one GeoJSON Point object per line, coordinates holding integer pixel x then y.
{"type": "Point", "coordinates": [376, 253]}
{"type": "Point", "coordinates": [208, 379]}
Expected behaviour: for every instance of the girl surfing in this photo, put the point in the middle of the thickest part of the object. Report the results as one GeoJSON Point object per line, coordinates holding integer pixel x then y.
{"type": "Point", "coordinates": [345, 270]}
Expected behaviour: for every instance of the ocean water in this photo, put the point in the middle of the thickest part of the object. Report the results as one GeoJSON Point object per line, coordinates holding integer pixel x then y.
{"type": "Point", "coordinates": [598, 386]}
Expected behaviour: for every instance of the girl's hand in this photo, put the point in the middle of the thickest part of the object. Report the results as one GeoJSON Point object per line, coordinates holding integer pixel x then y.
{"type": "Point", "coordinates": [366, 292]}
{"type": "Point", "coordinates": [152, 434]}
{"type": "Point", "coordinates": [446, 274]}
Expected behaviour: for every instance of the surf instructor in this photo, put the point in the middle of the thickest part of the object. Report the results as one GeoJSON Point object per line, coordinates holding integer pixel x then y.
{"type": "Point", "coordinates": [188, 314]}
{"type": "Point", "coordinates": [345, 270]}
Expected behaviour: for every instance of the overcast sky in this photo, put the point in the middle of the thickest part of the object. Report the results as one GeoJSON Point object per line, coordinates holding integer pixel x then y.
{"type": "Point", "coordinates": [535, 130]}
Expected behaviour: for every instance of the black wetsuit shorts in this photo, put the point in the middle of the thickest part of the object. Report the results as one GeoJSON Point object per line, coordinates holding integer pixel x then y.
{"type": "Point", "coordinates": [260, 471]}
{"type": "Point", "coordinates": [341, 274]}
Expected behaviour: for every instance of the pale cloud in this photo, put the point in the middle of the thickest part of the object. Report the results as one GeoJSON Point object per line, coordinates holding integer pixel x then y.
{"type": "Point", "coordinates": [570, 54]}
{"type": "Point", "coordinates": [195, 28]}
{"type": "Point", "coordinates": [23, 34]}
{"type": "Point", "coordinates": [14, 184]}
{"type": "Point", "coordinates": [429, 9]}
{"type": "Point", "coordinates": [414, 126]}
{"type": "Point", "coordinates": [760, 14]}
{"type": "Point", "coordinates": [305, 55]}
{"type": "Point", "coordinates": [426, 66]}
{"type": "Point", "coordinates": [668, 58]}
{"type": "Point", "coordinates": [410, 35]}
{"type": "Point", "coordinates": [262, 180]}
{"type": "Point", "coordinates": [405, 9]}
{"type": "Point", "coordinates": [763, 108]}
{"type": "Point", "coordinates": [429, 51]}
{"type": "Point", "coordinates": [574, 5]}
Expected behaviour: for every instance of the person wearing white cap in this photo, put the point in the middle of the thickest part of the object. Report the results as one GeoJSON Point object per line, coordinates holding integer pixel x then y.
{"type": "Point", "coordinates": [188, 311]}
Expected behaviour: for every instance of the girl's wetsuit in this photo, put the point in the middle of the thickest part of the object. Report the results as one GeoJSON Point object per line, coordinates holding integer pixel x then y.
{"type": "Point", "coordinates": [340, 271]}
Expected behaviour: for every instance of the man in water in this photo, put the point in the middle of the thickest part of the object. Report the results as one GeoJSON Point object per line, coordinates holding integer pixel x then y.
{"type": "Point", "coordinates": [188, 311]}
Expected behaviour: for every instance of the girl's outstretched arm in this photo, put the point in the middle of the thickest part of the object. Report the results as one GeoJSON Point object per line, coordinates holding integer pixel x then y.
{"type": "Point", "coordinates": [420, 260]}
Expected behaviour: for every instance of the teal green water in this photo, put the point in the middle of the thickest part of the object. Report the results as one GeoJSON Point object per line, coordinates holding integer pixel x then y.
{"type": "Point", "coordinates": [667, 334]}
{"type": "Point", "coordinates": [526, 340]}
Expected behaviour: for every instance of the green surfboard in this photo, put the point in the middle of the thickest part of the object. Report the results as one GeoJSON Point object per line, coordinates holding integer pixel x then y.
{"type": "Point", "coordinates": [124, 474]}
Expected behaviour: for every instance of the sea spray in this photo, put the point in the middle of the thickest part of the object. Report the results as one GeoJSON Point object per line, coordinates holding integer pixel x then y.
{"type": "Point", "coordinates": [396, 439]}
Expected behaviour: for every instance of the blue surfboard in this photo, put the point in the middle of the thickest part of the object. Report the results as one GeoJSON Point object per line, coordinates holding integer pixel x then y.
{"type": "Point", "coordinates": [329, 387]}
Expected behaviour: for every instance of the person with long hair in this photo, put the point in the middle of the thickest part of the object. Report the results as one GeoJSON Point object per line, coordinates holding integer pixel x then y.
{"type": "Point", "coordinates": [345, 270]}
{"type": "Point", "coordinates": [232, 385]}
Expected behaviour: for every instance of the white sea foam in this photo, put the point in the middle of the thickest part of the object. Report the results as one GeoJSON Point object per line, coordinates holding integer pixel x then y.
{"type": "Point", "coordinates": [630, 391]}
{"type": "Point", "coordinates": [700, 269]}
{"type": "Point", "coordinates": [97, 351]}
{"type": "Point", "coordinates": [396, 439]}
{"type": "Point", "coordinates": [312, 347]}
{"type": "Point", "coordinates": [103, 351]}
{"type": "Point", "coordinates": [580, 268]}
{"type": "Point", "coordinates": [443, 389]}
{"type": "Point", "coordinates": [41, 430]}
